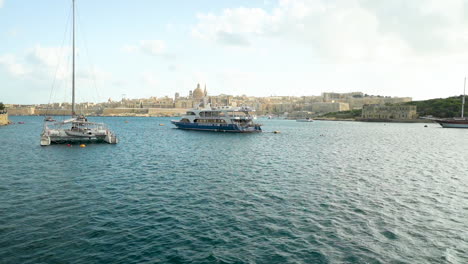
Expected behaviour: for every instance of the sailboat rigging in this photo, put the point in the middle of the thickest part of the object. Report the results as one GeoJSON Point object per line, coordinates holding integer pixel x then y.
{"type": "Point", "coordinates": [77, 128]}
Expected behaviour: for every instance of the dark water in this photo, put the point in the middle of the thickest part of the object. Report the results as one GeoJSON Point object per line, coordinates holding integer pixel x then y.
{"type": "Point", "coordinates": [322, 192]}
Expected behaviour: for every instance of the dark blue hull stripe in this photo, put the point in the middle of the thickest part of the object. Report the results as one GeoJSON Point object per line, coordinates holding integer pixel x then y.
{"type": "Point", "coordinates": [216, 127]}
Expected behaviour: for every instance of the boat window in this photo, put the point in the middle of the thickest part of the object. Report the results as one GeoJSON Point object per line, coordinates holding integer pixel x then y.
{"type": "Point", "coordinates": [190, 113]}
{"type": "Point", "coordinates": [184, 120]}
{"type": "Point", "coordinates": [210, 121]}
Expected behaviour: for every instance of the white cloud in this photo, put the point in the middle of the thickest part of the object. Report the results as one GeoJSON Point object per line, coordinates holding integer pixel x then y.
{"type": "Point", "coordinates": [149, 79]}
{"type": "Point", "coordinates": [151, 47]}
{"type": "Point", "coordinates": [347, 29]}
{"type": "Point", "coordinates": [13, 66]}
{"type": "Point", "coordinates": [40, 65]}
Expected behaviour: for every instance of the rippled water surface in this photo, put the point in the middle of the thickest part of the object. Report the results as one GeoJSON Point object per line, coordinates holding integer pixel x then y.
{"type": "Point", "coordinates": [321, 192]}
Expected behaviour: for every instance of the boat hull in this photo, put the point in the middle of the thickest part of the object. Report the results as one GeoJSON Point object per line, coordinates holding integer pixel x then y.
{"type": "Point", "coordinates": [217, 127]}
{"type": "Point", "coordinates": [63, 136]}
{"type": "Point", "coordinates": [453, 124]}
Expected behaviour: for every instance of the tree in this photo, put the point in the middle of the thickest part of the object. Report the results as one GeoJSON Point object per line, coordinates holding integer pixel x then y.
{"type": "Point", "coordinates": [2, 106]}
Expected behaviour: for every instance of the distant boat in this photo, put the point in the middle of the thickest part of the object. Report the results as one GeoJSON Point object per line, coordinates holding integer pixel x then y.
{"type": "Point", "coordinates": [76, 129]}
{"type": "Point", "coordinates": [305, 120]}
{"type": "Point", "coordinates": [49, 119]}
{"type": "Point", "coordinates": [456, 122]}
{"type": "Point", "coordinates": [219, 119]}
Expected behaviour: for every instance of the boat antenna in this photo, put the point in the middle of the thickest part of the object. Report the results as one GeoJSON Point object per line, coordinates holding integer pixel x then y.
{"type": "Point", "coordinates": [73, 62]}
{"type": "Point", "coordinates": [463, 100]}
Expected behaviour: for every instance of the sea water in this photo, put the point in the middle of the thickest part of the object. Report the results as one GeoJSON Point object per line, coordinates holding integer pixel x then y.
{"type": "Point", "coordinates": [320, 192]}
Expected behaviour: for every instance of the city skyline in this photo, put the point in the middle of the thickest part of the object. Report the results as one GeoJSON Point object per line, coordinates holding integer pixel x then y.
{"type": "Point", "coordinates": [257, 48]}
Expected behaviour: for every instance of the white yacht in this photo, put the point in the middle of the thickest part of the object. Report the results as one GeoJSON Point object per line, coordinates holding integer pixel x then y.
{"type": "Point", "coordinates": [220, 119]}
{"type": "Point", "coordinates": [76, 129]}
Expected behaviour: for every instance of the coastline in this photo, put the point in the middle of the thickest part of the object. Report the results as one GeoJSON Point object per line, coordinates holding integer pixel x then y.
{"type": "Point", "coordinates": [377, 120]}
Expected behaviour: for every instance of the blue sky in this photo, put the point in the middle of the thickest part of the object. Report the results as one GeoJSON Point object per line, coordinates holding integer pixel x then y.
{"type": "Point", "coordinates": [287, 47]}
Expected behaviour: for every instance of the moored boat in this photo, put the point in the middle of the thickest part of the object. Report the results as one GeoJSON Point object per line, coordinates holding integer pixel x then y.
{"type": "Point", "coordinates": [76, 129]}
{"type": "Point", "coordinates": [305, 120]}
{"type": "Point", "coordinates": [456, 122]}
{"type": "Point", "coordinates": [453, 122]}
{"type": "Point", "coordinates": [219, 119]}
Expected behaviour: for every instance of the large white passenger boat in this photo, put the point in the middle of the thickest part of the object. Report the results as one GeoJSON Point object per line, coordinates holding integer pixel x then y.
{"type": "Point", "coordinates": [221, 119]}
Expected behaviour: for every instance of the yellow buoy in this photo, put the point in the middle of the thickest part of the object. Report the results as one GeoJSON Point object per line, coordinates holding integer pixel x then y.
{"type": "Point", "coordinates": [161, 124]}
{"type": "Point", "coordinates": [82, 146]}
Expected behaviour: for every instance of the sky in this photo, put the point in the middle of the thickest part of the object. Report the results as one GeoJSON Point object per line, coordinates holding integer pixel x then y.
{"type": "Point", "coordinates": [143, 48]}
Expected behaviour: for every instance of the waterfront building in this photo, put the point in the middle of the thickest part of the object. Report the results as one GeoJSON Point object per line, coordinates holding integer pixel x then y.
{"type": "Point", "coordinates": [275, 105]}
{"type": "Point", "coordinates": [403, 112]}
{"type": "Point", "coordinates": [328, 107]}
{"type": "Point", "coordinates": [193, 100]}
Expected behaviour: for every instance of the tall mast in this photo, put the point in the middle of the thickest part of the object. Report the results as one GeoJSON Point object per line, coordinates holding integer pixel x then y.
{"type": "Point", "coordinates": [73, 62]}
{"type": "Point", "coordinates": [463, 100]}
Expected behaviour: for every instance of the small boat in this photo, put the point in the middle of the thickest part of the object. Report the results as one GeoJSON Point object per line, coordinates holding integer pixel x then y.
{"type": "Point", "coordinates": [456, 122]}
{"type": "Point", "coordinates": [219, 119]}
{"type": "Point", "coordinates": [305, 120]}
{"type": "Point", "coordinates": [76, 129]}
{"type": "Point", "coordinates": [49, 119]}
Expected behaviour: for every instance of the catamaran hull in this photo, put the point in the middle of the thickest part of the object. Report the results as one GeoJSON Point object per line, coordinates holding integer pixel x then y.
{"type": "Point", "coordinates": [46, 141]}
{"type": "Point", "coordinates": [64, 138]}
{"type": "Point", "coordinates": [218, 127]}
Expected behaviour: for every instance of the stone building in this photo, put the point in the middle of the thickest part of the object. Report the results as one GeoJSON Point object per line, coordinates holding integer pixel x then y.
{"type": "Point", "coordinates": [195, 98]}
{"type": "Point", "coordinates": [328, 107]}
{"type": "Point", "coordinates": [403, 112]}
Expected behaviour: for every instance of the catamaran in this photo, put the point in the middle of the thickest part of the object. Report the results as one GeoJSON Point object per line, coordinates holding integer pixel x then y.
{"type": "Point", "coordinates": [77, 128]}
{"type": "Point", "coordinates": [456, 122]}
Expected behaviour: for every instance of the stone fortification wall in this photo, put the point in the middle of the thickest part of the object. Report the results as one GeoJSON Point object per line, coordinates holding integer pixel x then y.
{"type": "Point", "coordinates": [166, 111]}
{"type": "Point", "coordinates": [125, 111]}
{"type": "Point", "coordinates": [4, 119]}
{"type": "Point", "coordinates": [144, 111]}
{"type": "Point", "coordinates": [21, 111]}
{"type": "Point", "coordinates": [402, 112]}
{"type": "Point", "coordinates": [61, 112]}
{"type": "Point", "coordinates": [358, 103]}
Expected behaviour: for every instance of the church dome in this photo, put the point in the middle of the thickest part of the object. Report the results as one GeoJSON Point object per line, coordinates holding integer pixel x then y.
{"type": "Point", "coordinates": [198, 93]}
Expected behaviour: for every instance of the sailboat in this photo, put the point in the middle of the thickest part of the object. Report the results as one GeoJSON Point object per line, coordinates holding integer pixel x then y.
{"type": "Point", "coordinates": [77, 128]}
{"type": "Point", "coordinates": [456, 122]}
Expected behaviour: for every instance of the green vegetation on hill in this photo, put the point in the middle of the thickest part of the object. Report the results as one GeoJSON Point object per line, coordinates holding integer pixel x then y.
{"type": "Point", "coordinates": [440, 107]}
{"type": "Point", "coordinates": [351, 114]}
{"type": "Point", "coordinates": [2, 106]}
